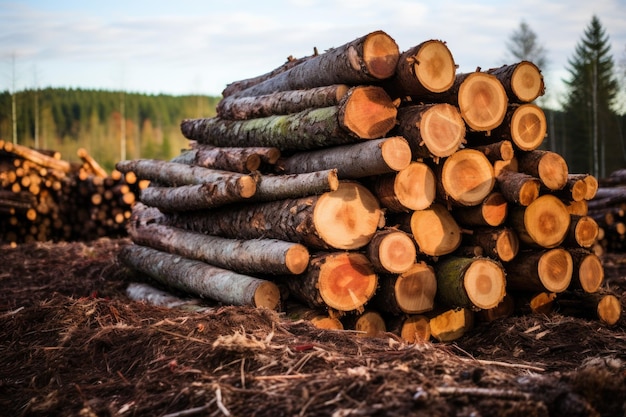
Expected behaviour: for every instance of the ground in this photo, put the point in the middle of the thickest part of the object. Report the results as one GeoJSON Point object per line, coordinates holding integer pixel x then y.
{"type": "Point", "coordinates": [73, 344]}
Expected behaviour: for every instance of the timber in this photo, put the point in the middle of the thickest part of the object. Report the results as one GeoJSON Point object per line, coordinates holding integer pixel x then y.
{"type": "Point", "coordinates": [544, 222]}
{"type": "Point", "coordinates": [466, 178]}
{"type": "Point", "coordinates": [522, 81]}
{"type": "Point", "coordinates": [391, 251]}
{"type": "Point", "coordinates": [496, 242]}
{"type": "Point", "coordinates": [591, 184]}
{"type": "Point", "coordinates": [492, 211]}
{"type": "Point", "coordinates": [588, 273]}
{"type": "Point", "coordinates": [369, 323]}
{"type": "Point", "coordinates": [242, 160]}
{"type": "Point", "coordinates": [497, 151]}
{"type": "Point", "coordinates": [316, 316]}
{"type": "Point", "coordinates": [548, 166]}
{"type": "Point", "coordinates": [200, 278]}
{"type": "Point", "coordinates": [412, 188]}
{"type": "Point", "coordinates": [603, 306]}
{"type": "Point", "coordinates": [583, 231]}
{"type": "Point", "coordinates": [434, 229]}
{"type": "Point", "coordinates": [517, 187]}
{"type": "Point", "coordinates": [415, 329]}
{"type": "Point", "coordinates": [282, 187]}
{"type": "Point", "coordinates": [94, 166]}
{"type": "Point", "coordinates": [540, 270]}
{"type": "Point", "coordinates": [524, 125]}
{"type": "Point", "coordinates": [450, 325]}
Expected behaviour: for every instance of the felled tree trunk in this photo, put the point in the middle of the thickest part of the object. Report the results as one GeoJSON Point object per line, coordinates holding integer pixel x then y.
{"type": "Point", "coordinates": [548, 166]}
{"type": "Point", "coordinates": [601, 305]}
{"type": "Point", "coordinates": [343, 281]}
{"type": "Point", "coordinates": [583, 231]}
{"type": "Point", "coordinates": [498, 243]}
{"type": "Point", "coordinates": [466, 178]}
{"type": "Point", "coordinates": [391, 251]}
{"type": "Point", "coordinates": [545, 222]}
{"type": "Point", "coordinates": [522, 81]}
{"type": "Point", "coordinates": [540, 270]}
{"type": "Point", "coordinates": [36, 157]}
{"type": "Point", "coordinates": [412, 188]}
{"type": "Point", "coordinates": [517, 187]}
{"type": "Point", "coordinates": [318, 317]}
{"type": "Point", "coordinates": [412, 329]}
{"type": "Point", "coordinates": [492, 211]}
{"type": "Point", "coordinates": [93, 165]}
{"type": "Point", "coordinates": [591, 184]}
{"type": "Point", "coordinates": [282, 187]}
{"type": "Point", "coordinates": [242, 160]}
{"type": "Point", "coordinates": [450, 325]}
{"type": "Point", "coordinates": [497, 151]}
{"type": "Point", "coordinates": [200, 278]}
{"type": "Point", "coordinates": [542, 302]}
{"type": "Point", "coordinates": [369, 323]}
{"type": "Point", "coordinates": [588, 272]}
{"type": "Point", "coordinates": [195, 197]}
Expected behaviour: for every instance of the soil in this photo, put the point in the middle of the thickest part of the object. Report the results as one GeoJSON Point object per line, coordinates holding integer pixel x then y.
{"type": "Point", "coordinates": [72, 343]}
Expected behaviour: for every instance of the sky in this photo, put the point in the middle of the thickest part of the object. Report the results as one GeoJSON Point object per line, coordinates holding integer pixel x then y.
{"type": "Point", "coordinates": [184, 47]}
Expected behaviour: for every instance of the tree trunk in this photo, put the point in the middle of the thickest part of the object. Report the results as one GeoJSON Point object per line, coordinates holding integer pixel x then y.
{"type": "Point", "coordinates": [343, 281]}
{"type": "Point", "coordinates": [358, 160]}
{"type": "Point", "coordinates": [282, 187]}
{"type": "Point", "coordinates": [412, 188]}
{"type": "Point", "coordinates": [522, 81]}
{"type": "Point", "coordinates": [466, 178]}
{"type": "Point", "coordinates": [242, 160]}
{"type": "Point", "coordinates": [195, 197]}
{"type": "Point", "coordinates": [433, 130]}
{"type": "Point", "coordinates": [505, 308]}
{"type": "Point", "coordinates": [517, 187]}
{"type": "Point", "coordinates": [524, 125]}
{"type": "Point", "coordinates": [603, 306]}
{"type": "Point", "coordinates": [434, 229]}
{"type": "Point", "coordinates": [414, 329]}
{"type": "Point", "coordinates": [422, 70]}
{"type": "Point", "coordinates": [367, 324]}
{"type": "Point", "coordinates": [492, 211]}
{"type": "Point", "coordinates": [36, 157]}
{"type": "Point", "coordinates": [475, 283]}
{"type": "Point", "coordinates": [498, 243]}
{"type": "Point", "coordinates": [321, 222]}
{"type": "Point", "coordinates": [545, 222]}
{"type": "Point", "coordinates": [542, 302]}
{"type": "Point", "coordinates": [257, 256]}
{"type": "Point", "coordinates": [391, 251]}
{"type": "Point", "coordinates": [540, 270]}
{"type": "Point", "coordinates": [591, 184]}
{"type": "Point", "coordinates": [365, 60]}
{"type": "Point", "coordinates": [281, 102]}
{"type": "Point", "coordinates": [548, 166]}
{"type": "Point", "coordinates": [588, 272]}
{"type": "Point", "coordinates": [365, 112]}
{"type": "Point", "coordinates": [450, 325]}
{"type": "Point", "coordinates": [410, 292]}
{"type": "Point", "coordinates": [200, 278]}
{"type": "Point", "coordinates": [93, 165]}
{"type": "Point", "coordinates": [583, 231]}
{"type": "Point", "coordinates": [497, 151]}
{"type": "Point", "coordinates": [573, 190]}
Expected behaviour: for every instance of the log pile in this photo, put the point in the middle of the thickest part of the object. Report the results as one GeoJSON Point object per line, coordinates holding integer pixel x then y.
{"type": "Point", "coordinates": [608, 209]}
{"type": "Point", "coordinates": [45, 198]}
{"type": "Point", "coordinates": [413, 199]}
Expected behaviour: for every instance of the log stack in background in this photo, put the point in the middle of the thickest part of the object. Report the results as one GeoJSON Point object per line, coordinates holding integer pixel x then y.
{"type": "Point", "coordinates": [403, 196]}
{"type": "Point", "coordinates": [45, 198]}
{"type": "Point", "coordinates": [608, 209]}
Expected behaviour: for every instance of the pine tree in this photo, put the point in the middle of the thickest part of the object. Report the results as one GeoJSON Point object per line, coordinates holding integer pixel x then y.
{"type": "Point", "coordinates": [524, 46]}
{"type": "Point", "coordinates": [592, 89]}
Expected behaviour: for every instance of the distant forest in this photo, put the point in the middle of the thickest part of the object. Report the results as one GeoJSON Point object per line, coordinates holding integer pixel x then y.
{"type": "Point", "coordinates": [67, 119]}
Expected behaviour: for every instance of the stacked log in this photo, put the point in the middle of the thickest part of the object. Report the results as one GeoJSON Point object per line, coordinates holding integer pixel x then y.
{"type": "Point", "coordinates": [608, 209]}
{"type": "Point", "coordinates": [442, 204]}
{"type": "Point", "coordinates": [46, 198]}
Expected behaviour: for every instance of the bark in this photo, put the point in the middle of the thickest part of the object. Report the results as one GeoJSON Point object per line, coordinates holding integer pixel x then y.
{"type": "Point", "coordinates": [583, 231]}
{"type": "Point", "coordinates": [391, 251]}
{"type": "Point", "coordinates": [196, 197]}
{"type": "Point", "coordinates": [496, 242]}
{"type": "Point", "coordinates": [588, 273]}
{"type": "Point", "coordinates": [492, 211]}
{"type": "Point", "coordinates": [578, 208]}
{"type": "Point", "coordinates": [422, 70]}
{"type": "Point", "coordinates": [466, 178]}
{"type": "Point", "coordinates": [617, 177]}
{"type": "Point", "coordinates": [474, 283]}
{"type": "Point", "coordinates": [257, 256]}
{"type": "Point", "coordinates": [410, 292]}
{"type": "Point", "coordinates": [150, 295]}
{"type": "Point", "coordinates": [242, 160]}
{"type": "Point", "coordinates": [412, 188]}
{"type": "Point", "coordinates": [573, 190]}
{"type": "Point", "coordinates": [358, 160]}
{"type": "Point", "coordinates": [497, 151]}
{"type": "Point", "coordinates": [522, 81]}
{"type": "Point", "coordinates": [517, 187]}
{"type": "Point", "coordinates": [544, 222]}
{"type": "Point", "coordinates": [603, 306]}
{"type": "Point", "coordinates": [200, 278]}
{"type": "Point", "coordinates": [365, 112]}
{"type": "Point", "coordinates": [368, 59]}
{"type": "Point", "coordinates": [343, 281]}
{"type": "Point", "coordinates": [450, 325]}
{"type": "Point", "coordinates": [548, 166]}
{"type": "Point", "coordinates": [282, 102]}
{"type": "Point", "coordinates": [322, 222]}
{"type": "Point", "coordinates": [432, 130]}
{"type": "Point", "coordinates": [282, 187]}
{"type": "Point", "coordinates": [505, 308]}
{"type": "Point", "coordinates": [540, 270]}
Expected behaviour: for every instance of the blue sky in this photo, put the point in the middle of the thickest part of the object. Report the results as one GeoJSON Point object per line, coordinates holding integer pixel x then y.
{"type": "Point", "coordinates": [189, 46]}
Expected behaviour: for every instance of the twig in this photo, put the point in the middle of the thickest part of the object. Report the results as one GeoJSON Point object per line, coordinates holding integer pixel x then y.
{"type": "Point", "coordinates": [506, 364]}
{"type": "Point", "coordinates": [505, 394]}
{"type": "Point", "coordinates": [182, 336]}
{"type": "Point", "coordinates": [220, 405]}
{"type": "Point", "coordinates": [190, 411]}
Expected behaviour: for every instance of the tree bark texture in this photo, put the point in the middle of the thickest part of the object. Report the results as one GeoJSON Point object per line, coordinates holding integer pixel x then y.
{"type": "Point", "coordinates": [548, 166]}
{"type": "Point", "coordinates": [195, 197]}
{"type": "Point", "coordinates": [243, 160]}
{"type": "Point", "coordinates": [497, 151]}
{"type": "Point", "coordinates": [522, 81]}
{"type": "Point", "coordinates": [491, 212]}
{"type": "Point", "coordinates": [518, 188]}
{"type": "Point", "coordinates": [496, 242]}
{"type": "Point", "coordinates": [603, 306]}
{"type": "Point", "coordinates": [282, 187]}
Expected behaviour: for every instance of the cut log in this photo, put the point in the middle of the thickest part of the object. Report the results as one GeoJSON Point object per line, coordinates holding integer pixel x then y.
{"type": "Point", "coordinates": [506, 308]}
{"type": "Point", "coordinates": [281, 102]}
{"type": "Point", "coordinates": [151, 295]}
{"type": "Point", "coordinates": [415, 329]}
{"type": "Point", "coordinates": [195, 197]}
{"type": "Point", "coordinates": [365, 112]}
{"type": "Point", "coordinates": [242, 160]}
{"type": "Point", "coordinates": [540, 270]}
{"type": "Point", "coordinates": [475, 283]}
{"type": "Point", "coordinates": [391, 251]}
{"type": "Point", "coordinates": [434, 229]}
{"type": "Point", "coordinates": [423, 69]}
{"type": "Point", "coordinates": [522, 81]}
{"type": "Point", "coordinates": [282, 187]}
{"type": "Point", "coordinates": [36, 157]}
{"type": "Point", "coordinates": [433, 130]}
{"type": "Point", "coordinates": [497, 151]}
{"type": "Point", "coordinates": [410, 292]}
{"type": "Point", "coordinates": [318, 317]}
{"type": "Point", "coordinates": [575, 189]}
{"type": "Point", "coordinates": [535, 302]}
{"type": "Point", "coordinates": [499, 166]}
{"type": "Point", "coordinates": [603, 306]}
{"type": "Point", "coordinates": [545, 222]}
{"type": "Point", "coordinates": [548, 166]}
{"type": "Point", "coordinates": [451, 325]}
{"type": "Point", "coordinates": [591, 183]}
{"type": "Point", "coordinates": [321, 222]}
{"type": "Point", "coordinates": [200, 278]}
{"type": "Point", "coordinates": [524, 125]}
{"type": "Point", "coordinates": [588, 273]}
{"type": "Point", "coordinates": [257, 256]}
{"type": "Point", "coordinates": [93, 165]}
{"type": "Point", "coordinates": [358, 160]}
{"type": "Point", "coordinates": [466, 178]}
{"type": "Point", "coordinates": [496, 242]}
{"type": "Point", "coordinates": [517, 187]}
{"type": "Point", "coordinates": [492, 211]}
{"type": "Point", "coordinates": [342, 281]}
{"type": "Point", "coordinates": [368, 59]}
{"type": "Point", "coordinates": [583, 231]}
{"type": "Point", "coordinates": [367, 324]}
{"type": "Point", "coordinates": [578, 208]}
{"type": "Point", "coordinates": [412, 188]}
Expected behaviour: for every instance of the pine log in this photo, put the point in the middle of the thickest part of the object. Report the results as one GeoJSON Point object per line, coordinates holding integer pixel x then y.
{"type": "Point", "coordinates": [524, 125]}
{"type": "Point", "coordinates": [411, 188]}
{"type": "Point", "coordinates": [522, 81]}
{"type": "Point", "coordinates": [282, 187]}
{"type": "Point", "coordinates": [588, 273]}
{"type": "Point", "coordinates": [434, 229]}
{"type": "Point", "coordinates": [617, 177]}
{"type": "Point", "coordinates": [497, 151]}
{"type": "Point", "coordinates": [583, 231]}
{"type": "Point", "coordinates": [316, 316]}
{"type": "Point", "coordinates": [544, 222]}
{"type": "Point", "coordinates": [150, 295]}
{"type": "Point", "coordinates": [391, 251]}
{"type": "Point", "coordinates": [195, 197]}
{"type": "Point", "coordinates": [433, 130]}
{"type": "Point", "coordinates": [93, 165]}
{"type": "Point", "coordinates": [365, 112]}
{"type": "Point", "coordinates": [501, 165]}
{"type": "Point", "coordinates": [517, 187]}
{"type": "Point", "coordinates": [343, 219]}
{"type": "Point", "coordinates": [578, 208]}
{"type": "Point", "coordinates": [542, 302]}
{"type": "Point", "coordinates": [343, 281]}
{"type": "Point", "coordinates": [410, 292]}
{"type": "Point", "coordinates": [452, 324]}
{"type": "Point", "coordinates": [200, 278]}
{"type": "Point", "coordinates": [367, 324]}
{"type": "Point", "coordinates": [243, 160]}
{"type": "Point", "coordinates": [466, 178]}
{"type": "Point", "coordinates": [368, 59]}
{"type": "Point", "coordinates": [591, 183]}
{"type": "Point", "coordinates": [548, 166]}
{"type": "Point", "coordinates": [575, 189]}
{"type": "Point", "coordinates": [603, 306]}
{"type": "Point", "coordinates": [35, 156]}
{"type": "Point", "coordinates": [492, 211]}
{"type": "Point", "coordinates": [281, 102]}
{"type": "Point", "coordinates": [540, 270]}
{"type": "Point", "coordinates": [423, 69]}
{"type": "Point", "coordinates": [475, 283]}
{"type": "Point", "coordinates": [358, 160]}
{"type": "Point", "coordinates": [496, 242]}
{"type": "Point", "coordinates": [257, 256]}
{"type": "Point", "coordinates": [414, 329]}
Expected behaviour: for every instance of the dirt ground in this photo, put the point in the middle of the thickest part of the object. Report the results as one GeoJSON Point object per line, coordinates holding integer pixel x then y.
{"type": "Point", "coordinates": [73, 344]}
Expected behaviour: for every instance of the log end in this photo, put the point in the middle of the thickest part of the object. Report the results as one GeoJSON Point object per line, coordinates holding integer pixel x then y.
{"type": "Point", "coordinates": [528, 127]}
{"type": "Point", "coordinates": [442, 129]}
{"type": "Point", "coordinates": [555, 269]}
{"type": "Point", "coordinates": [494, 209]}
{"type": "Point", "coordinates": [483, 102]}
{"type": "Point", "coordinates": [591, 273]}
{"type": "Point", "coordinates": [467, 177]}
{"type": "Point", "coordinates": [346, 281]}
{"type": "Point", "coordinates": [370, 324]}
{"type": "Point", "coordinates": [434, 66]}
{"type": "Point", "coordinates": [451, 324]}
{"type": "Point", "coordinates": [553, 170]}
{"type": "Point", "coordinates": [435, 230]}
{"type": "Point", "coordinates": [485, 283]}
{"type": "Point", "coordinates": [368, 112]}
{"type": "Point", "coordinates": [396, 153]}
{"type": "Point", "coordinates": [586, 231]}
{"type": "Point", "coordinates": [297, 258]}
{"type": "Point", "coordinates": [397, 252]}
{"type": "Point", "coordinates": [416, 289]}
{"type": "Point", "coordinates": [546, 221]}
{"type": "Point", "coordinates": [415, 329]}
{"type": "Point", "coordinates": [267, 295]}
{"type": "Point", "coordinates": [327, 323]}
{"type": "Point", "coordinates": [380, 55]}
{"type": "Point", "coordinates": [527, 82]}
{"type": "Point", "coordinates": [529, 191]}
{"type": "Point", "coordinates": [415, 186]}
{"type": "Point", "coordinates": [609, 309]}
{"type": "Point", "coordinates": [507, 245]}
